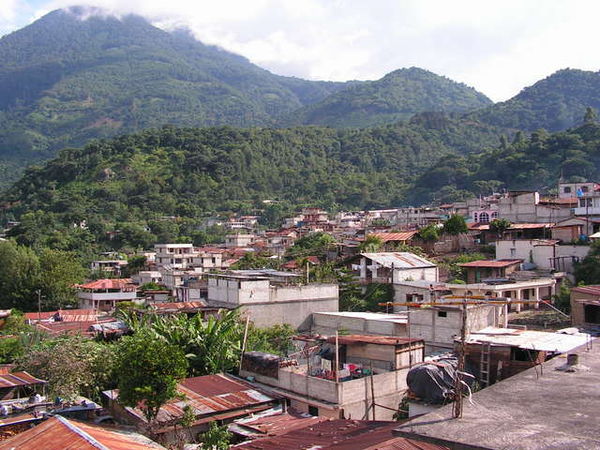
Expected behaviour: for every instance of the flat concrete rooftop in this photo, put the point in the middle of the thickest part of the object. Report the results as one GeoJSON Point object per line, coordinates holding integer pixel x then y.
{"type": "Point", "coordinates": [539, 408]}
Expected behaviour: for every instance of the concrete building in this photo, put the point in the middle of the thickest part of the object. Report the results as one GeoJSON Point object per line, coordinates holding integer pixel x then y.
{"type": "Point", "coordinates": [239, 240]}
{"type": "Point", "coordinates": [585, 306]}
{"type": "Point", "coordinates": [389, 267]}
{"type": "Point", "coordinates": [269, 297]}
{"type": "Point", "coordinates": [207, 259]}
{"type": "Point", "coordinates": [103, 295]}
{"type": "Point", "coordinates": [369, 323]}
{"type": "Point", "coordinates": [112, 266]}
{"type": "Point", "coordinates": [175, 256]}
{"type": "Point", "coordinates": [529, 207]}
{"type": "Point", "coordinates": [313, 384]}
{"type": "Point", "coordinates": [147, 276]}
{"type": "Point", "coordinates": [570, 190]}
{"type": "Point", "coordinates": [546, 254]}
{"type": "Point", "coordinates": [534, 289]}
{"type": "Point", "coordinates": [573, 228]}
{"type": "Point", "coordinates": [534, 410]}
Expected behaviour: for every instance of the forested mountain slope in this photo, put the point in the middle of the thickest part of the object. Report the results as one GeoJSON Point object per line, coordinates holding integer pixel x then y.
{"type": "Point", "coordinates": [554, 103]}
{"type": "Point", "coordinates": [189, 172]}
{"type": "Point", "coordinates": [397, 96]}
{"type": "Point", "coordinates": [67, 78]}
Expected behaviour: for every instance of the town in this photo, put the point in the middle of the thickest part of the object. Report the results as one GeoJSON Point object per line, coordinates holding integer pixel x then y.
{"type": "Point", "coordinates": [463, 325]}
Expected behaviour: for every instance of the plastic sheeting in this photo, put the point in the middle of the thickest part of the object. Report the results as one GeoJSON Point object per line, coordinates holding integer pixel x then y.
{"type": "Point", "coordinates": [433, 382]}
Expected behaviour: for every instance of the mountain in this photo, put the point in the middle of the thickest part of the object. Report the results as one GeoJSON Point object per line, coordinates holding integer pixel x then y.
{"type": "Point", "coordinates": [555, 103]}
{"type": "Point", "coordinates": [131, 182]}
{"type": "Point", "coordinates": [77, 74]}
{"type": "Point", "coordinates": [397, 96]}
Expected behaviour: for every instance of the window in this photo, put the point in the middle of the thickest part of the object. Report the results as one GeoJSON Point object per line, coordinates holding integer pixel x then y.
{"type": "Point", "coordinates": [484, 217]}
{"type": "Point", "coordinates": [313, 410]}
{"type": "Point", "coordinates": [513, 252]}
{"type": "Point", "coordinates": [585, 201]}
{"type": "Point", "coordinates": [567, 190]}
{"type": "Point", "coordinates": [584, 189]}
{"type": "Point", "coordinates": [442, 314]}
{"type": "Point", "coordinates": [475, 217]}
{"type": "Point", "coordinates": [494, 215]}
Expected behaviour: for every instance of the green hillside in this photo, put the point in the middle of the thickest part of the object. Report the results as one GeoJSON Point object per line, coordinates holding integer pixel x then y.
{"type": "Point", "coordinates": [190, 173]}
{"type": "Point", "coordinates": [397, 96]}
{"type": "Point", "coordinates": [555, 103]}
{"type": "Point", "coordinates": [64, 80]}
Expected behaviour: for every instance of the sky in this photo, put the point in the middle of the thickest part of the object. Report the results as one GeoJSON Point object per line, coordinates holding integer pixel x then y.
{"type": "Point", "coordinates": [497, 47]}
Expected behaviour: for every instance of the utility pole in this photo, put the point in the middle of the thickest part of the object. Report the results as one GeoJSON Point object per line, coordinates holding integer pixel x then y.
{"type": "Point", "coordinates": [458, 400]}
{"type": "Point", "coordinates": [39, 293]}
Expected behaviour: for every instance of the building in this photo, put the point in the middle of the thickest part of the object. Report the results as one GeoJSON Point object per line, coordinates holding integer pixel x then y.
{"type": "Point", "coordinates": [534, 288]}
{"type": "Point", "coordinates": [103, 295]}
{"type": "Point", "coordinates": [270, 297]}
{"type": "Point", "coordinates": [16, 385]}
{"type": "Point", "coordinates": [529, 207]}
{"type": "Point", "coordinates": [368, 323]}
{"type": "Point", "coordinates": [239, 240]}
{"type": "Point", "coordinates": [175, 256]}
{"type": "Point", "coordinates": [113, 266]}
{"type": "Point", "coordinates": [208, 259]}
{"type": "Point", "coordinates": [541, 408]}
{"type": "Point", "coordinates": [59, 433]}
{"type": "Point", "coordinates": [478, 271]}
{"type": "Point", "coordinates": [571, 190]}
{"type": "Point", "coordinates": [585, 306]}
{"type": "Point", "coordinates": [220, 397]}
{"type": "Point", "coordinates": [147, 276]}
{"type": "Point", "coordinates": [546, 254]}
{"type": "Point", "coordinates": [390, 267]}
{"type": "Point", "coordinates": [493, 354]}
{"type": "Point", "coordinates": [574, 228]}
{"type": "Point", "coordinates": [359, 377]}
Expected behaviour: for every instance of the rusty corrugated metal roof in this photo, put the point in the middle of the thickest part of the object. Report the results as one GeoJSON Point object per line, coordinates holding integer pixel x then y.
{"type": "Point", "coordinates": [339, 434]}
{"type": "Point", "coordinates": [207, 394]}
{"type": "Point", "coordinates": [278, 424]}
{"type": "Point", "coordinates": [58, 433]}
{"type": "Point", "coordinates": [15, 379]}
{"type": "Point", "coordinates": [401, 236]}
{"type": "Point", "coordinates": [180, 306]}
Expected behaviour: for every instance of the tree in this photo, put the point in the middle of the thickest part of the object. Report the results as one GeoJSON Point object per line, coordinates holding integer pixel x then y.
{"type": "Point", "coordinates": [59, 271]}
{"type": "Point", "coordinates": [371, 244]}
{"type": "Point", "coordinates": [587, 271]}
{"type": "Point", "coordinates": [313, 244]}
{"type": "Point", "coordinates": [148, 370]}
{"type": "Point", "coordinates": [499, 226]}
{"type": "Point", "coordinates": [456, 224]}
{"type": "Point", "coordinates": [72, 366]}
{"type": "Point", "coordinates": [430, 233]}
{"type": "Point", "coordinates": [216, 438]}
{"type": "Point", "coordinates": [275, 339]}
{"type": "Point", "coordinates": [591, 116]}
{"type": "Point", "coordinates": [19, 276]}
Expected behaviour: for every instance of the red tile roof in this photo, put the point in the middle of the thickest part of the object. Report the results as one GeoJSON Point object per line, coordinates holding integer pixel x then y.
{"type": "Point", "coordinates": [401, 236]}
{"type": "Point", "coordinates": [116, 283]}
{"type": "Point", "coordinates": [58, 433]}
{"type": "Point", "coordinates": [66, 315]}
{"type": "Point", "coordinates": [492, 263]}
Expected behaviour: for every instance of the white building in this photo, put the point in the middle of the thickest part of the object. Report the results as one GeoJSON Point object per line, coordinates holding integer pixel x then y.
{"type": "Point", "coordinates": [176, 256]}
{"type": "Point", "coordinates": [103, 295]}
{"type": "Point", "coordinates": [239, 240]}
{"type": "Point", "coordinates": [544, 253]}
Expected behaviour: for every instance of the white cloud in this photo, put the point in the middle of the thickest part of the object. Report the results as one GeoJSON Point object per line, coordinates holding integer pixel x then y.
{"type": "Point", "coordinates": [496, 46]}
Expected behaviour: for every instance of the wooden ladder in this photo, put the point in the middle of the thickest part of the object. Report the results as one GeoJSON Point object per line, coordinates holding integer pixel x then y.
{"type": "Point", "coordinates": [484, 364]}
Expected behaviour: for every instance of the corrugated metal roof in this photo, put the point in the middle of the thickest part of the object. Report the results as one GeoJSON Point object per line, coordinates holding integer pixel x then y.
{"type": "Point", "coordinates": [15, 379]}
{"type": "Point", "coordinates": [275, 425]}
{"type": "Point", "coordinates": [58, 433]}
{"type": "Point", "coordinates": [492, 263]}
{"type": "Point", "coordinates": [371, 339]}
{"type": "Point", "coordinates": [398, 260]}
{"type": "Point", "coordinates": [208, 394]}
{"type": "Point", "coordinates": [529, 339]}
{"type": "Point", "coordinates": [401, 236]}
{"type": "Point", "coordinates": [337, 434]}
{"type": "Point", "coordinates": [180, 306]}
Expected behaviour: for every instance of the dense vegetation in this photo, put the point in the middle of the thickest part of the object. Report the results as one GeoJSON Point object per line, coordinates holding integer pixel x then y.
{"type": "Point", "coordinates": [64, 80]}
{"type": "Point", "coordinates": [397, 96]}
{"type": "Point", "coordinates": [158, 184]}
{"type": "Point", "coordinates": [554, 103]}
{"type": "Point", "coordinates": [533, 162]}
